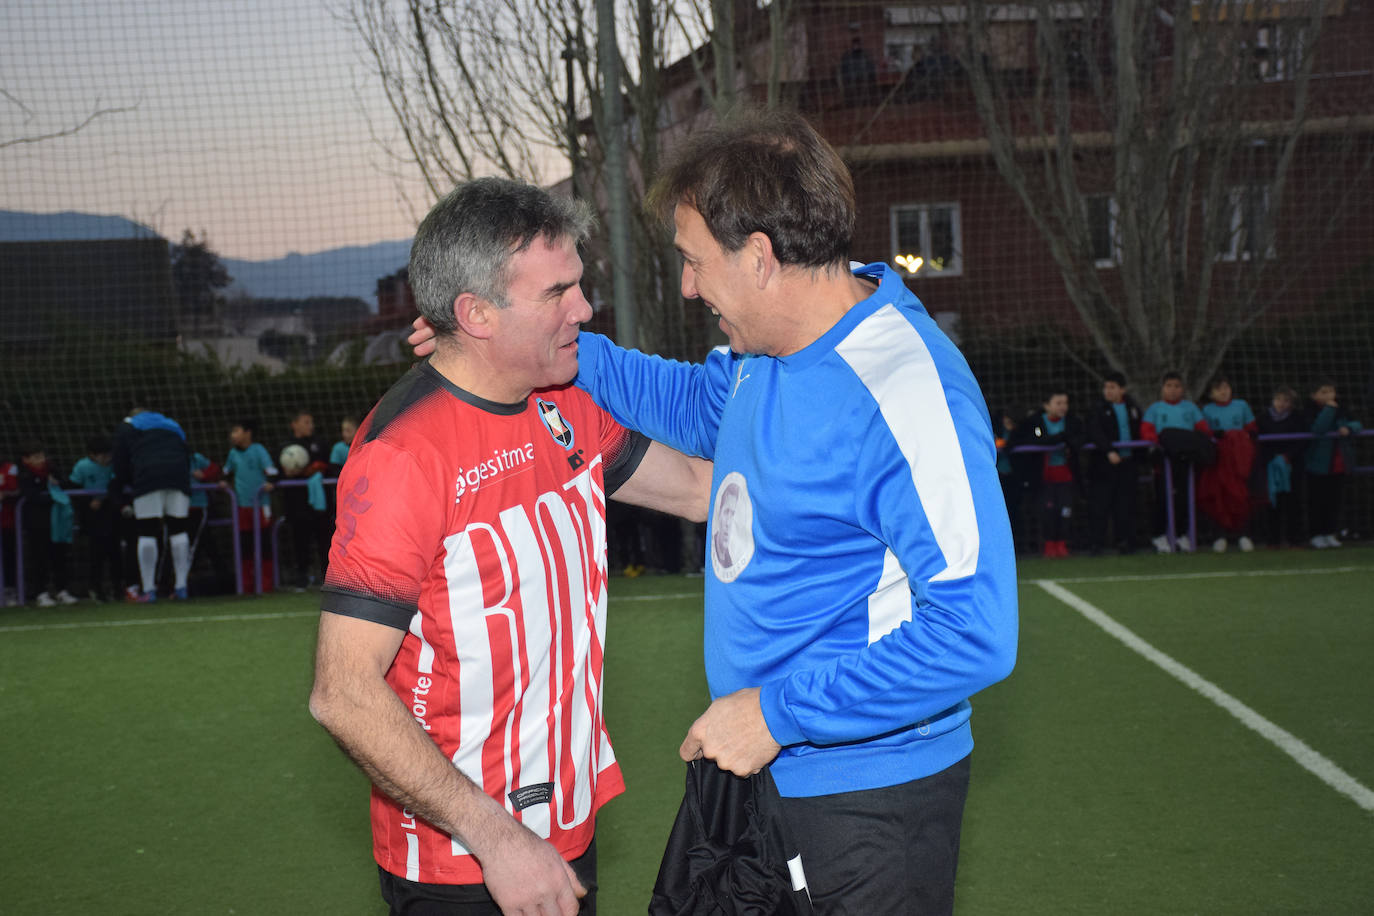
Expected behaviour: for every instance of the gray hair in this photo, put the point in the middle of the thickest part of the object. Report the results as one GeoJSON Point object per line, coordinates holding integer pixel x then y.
{"type": "Point", "coordinates": [466, 242]}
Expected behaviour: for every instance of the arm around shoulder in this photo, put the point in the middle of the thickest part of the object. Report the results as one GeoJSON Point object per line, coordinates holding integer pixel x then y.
{"type": "Point", "coordinates": [671, 482]}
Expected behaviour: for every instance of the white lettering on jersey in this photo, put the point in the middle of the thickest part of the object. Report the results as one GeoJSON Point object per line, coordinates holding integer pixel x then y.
{"type": "Point", "coordinates": [524, 661]}
{"type": "Point", "coordinates": [502, 463]}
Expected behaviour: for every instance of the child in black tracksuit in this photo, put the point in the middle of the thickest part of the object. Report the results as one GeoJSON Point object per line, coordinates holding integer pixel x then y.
{"type": "Point", "coordinates": [1052, 475]}
{"type": "Point", "coordinates": [1115, 471]}
{"type": "Point", "coordinates": [1278, 467]}
{"type": "Point", "coordinates": [1329, 459]}
{"type": "Point", "coordinates": [45, 557]}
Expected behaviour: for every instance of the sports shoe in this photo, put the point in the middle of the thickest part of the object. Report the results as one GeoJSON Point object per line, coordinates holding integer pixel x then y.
{"type": "Point", "coordinates": [1319, 542]}
{"type": "Point", "coordinates": [1331, 541]}
{"type": "Point", "coordinates": [181, 595]}
{"type": "Point", "coordinates": [45, 600]}
{"type": "Point", "coordinates": [1185, 545]}
{"type": "Point", "coordinates": [1219, 545]}
{"type": "Point", "coordinates": [1162, 544]}
{"type": "Point", "coordinates": [147, 598]}
{"type": "Point", "coordinates": [131, 594]}
{"type": "Point", "coordinates": [1246, 545]}
{"type": "Point", "coordinates": [66, 597]}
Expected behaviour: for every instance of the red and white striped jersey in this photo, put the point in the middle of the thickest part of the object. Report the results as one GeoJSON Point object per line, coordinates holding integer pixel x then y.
{"type": "Point", "coordinates": [480, 528]}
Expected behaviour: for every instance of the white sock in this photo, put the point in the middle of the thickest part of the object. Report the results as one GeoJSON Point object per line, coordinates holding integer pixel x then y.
{"type": "Point", "coordinates": [181, 557]}
{"type": "Point", "coordinates": [147, 563]}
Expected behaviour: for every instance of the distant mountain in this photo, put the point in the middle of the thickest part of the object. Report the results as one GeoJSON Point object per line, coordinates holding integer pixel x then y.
{"type": "Point", "coordinates": [69, 226]}
{"type": "Point", "coordinates": [351, 271]}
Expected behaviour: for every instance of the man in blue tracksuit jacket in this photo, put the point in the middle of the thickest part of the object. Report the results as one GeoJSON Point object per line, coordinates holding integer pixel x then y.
{"type": "Point", "coordinates": [861, 583]}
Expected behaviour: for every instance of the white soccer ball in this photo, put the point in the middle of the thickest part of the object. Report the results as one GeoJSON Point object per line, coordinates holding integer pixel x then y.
{"type": "Point", "coordinates": [294, 458]}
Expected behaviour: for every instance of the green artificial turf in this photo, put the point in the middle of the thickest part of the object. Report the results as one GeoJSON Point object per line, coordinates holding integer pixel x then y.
{"type": "Point", "coordinates": [162, 759]}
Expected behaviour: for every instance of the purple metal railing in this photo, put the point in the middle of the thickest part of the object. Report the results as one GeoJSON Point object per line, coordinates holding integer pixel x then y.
{"type": "Point", "coordinates": [1170, 519]}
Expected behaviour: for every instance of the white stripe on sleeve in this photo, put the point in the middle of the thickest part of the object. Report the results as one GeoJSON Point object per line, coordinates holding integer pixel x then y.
{"type": "Point", "coordinates": [896, 366]}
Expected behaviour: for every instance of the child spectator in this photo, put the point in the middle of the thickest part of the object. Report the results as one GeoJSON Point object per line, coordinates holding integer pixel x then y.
{"type": "Point", "coordinates": [1115, 471]}
{"type": "Point", "coordinates": [1224, 488]}
{"type": "Point", "coordinates": [1329, 459]}
{"type": "Point", "coordinates": [1274, 478]}
{"type": "Point", "coordinates": [203, 471]}
{"type": "Point", "coordinates": [1177, 426]}
{"type": "Point", "coordinates": [9, 496]}
{"type": "Point", "coordinates": [1013, 487]}
{"type": "Point", "coordinates": [348, 428]}
{"type": "Point", "coordinates": [1053, 475]}
{"type": "Point", "coordinates": [99, 518]}
{"type": "Point", "coordinates": [305, 507]}
{"type": "Point", "coordinates": [46, 545]}
{"type": "Point", "coordinates": [250, 466]}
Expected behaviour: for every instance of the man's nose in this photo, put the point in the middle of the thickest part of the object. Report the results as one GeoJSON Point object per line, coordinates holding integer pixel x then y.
{"type": "Point", "coordinates": [581, 310]}
{"type": "Point", "coordinates": [689, 283]}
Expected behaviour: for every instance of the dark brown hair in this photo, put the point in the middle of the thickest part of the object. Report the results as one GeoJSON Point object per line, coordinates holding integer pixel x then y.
{"type": "Point", "coordinates": [763, 171]}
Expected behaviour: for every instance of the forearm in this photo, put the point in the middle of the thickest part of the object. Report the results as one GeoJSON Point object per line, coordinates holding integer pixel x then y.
{"type": "Point", "coordinates": [671, 482]}
{"type": "Point", "coordinates": [910, 675]}
{"type": "Point", "coordinates": [376, 730]}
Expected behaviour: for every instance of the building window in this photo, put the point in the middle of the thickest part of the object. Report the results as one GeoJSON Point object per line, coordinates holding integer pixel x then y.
{"type": "Point", "coordinates": [906, 45]}
{"type": "Point", "coordinates": [1100, 212]}
{"type": "Point", "coordinates": [1246, 226]}
{"type": "Point", "coordinates": [926, 240]}
{"type": "Point", "coordinates": [1274, 52]}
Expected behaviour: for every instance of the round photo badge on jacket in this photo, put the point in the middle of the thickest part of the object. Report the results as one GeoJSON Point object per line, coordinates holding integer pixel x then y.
{"type": "Point", "coordinates": [732, 528]}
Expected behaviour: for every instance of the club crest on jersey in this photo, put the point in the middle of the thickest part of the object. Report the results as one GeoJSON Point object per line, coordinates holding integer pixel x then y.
{"type": "Point", "coordinates": [559, 428]}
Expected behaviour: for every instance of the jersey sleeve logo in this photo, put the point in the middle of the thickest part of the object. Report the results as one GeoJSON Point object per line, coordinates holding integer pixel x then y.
{"type": "Point", "coordinates": [558, 428]}
{"type": "Point", "coordinates": [350, 507]}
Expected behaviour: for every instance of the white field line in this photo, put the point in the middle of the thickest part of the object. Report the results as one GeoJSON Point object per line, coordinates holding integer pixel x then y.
{"type": "Point", "coordinates": [152, 621]}
{"type": "Point", "coordinates": [1290, 744]}
{"type": "Point", "coordinates": [1234, 574]}
{"type": "Point", "coordinates": [232, 618]}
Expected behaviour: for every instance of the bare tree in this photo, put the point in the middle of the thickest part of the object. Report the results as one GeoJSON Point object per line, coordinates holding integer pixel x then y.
{"type": "Point", "coordinates": [1162, 138]}
{"type": "Point", "coordinates": [478, 87]}
{"type": "Point", "coordinates": [96, 113]}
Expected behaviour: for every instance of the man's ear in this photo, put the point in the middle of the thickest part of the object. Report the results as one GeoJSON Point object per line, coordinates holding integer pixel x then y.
{"type": "Point", "coordinates": [474, 315]}
{"type": "Point", "coordinates": [758, 249]}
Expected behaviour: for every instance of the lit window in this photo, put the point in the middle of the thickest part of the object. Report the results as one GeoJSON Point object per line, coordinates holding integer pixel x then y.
{"type": "Point", "coordinates": [926, 240]}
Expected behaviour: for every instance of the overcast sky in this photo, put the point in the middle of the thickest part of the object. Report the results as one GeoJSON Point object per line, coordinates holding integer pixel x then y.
{"type": "Point", "coordinates": [248, 122]}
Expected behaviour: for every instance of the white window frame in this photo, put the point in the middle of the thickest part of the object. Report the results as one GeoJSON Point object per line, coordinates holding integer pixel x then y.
{"type": "Point", "coordinates": [955, 265]}
{"type": "Point", "coordinates": [1238, 198]}
{"type": "Point", "coordinates": [1112, 214]}
{"type": "Point", "coordinates": [1285, 43]}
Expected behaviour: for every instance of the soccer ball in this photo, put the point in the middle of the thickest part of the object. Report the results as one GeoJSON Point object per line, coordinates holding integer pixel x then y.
{"type": "Point", "coordinates": [294, 458]}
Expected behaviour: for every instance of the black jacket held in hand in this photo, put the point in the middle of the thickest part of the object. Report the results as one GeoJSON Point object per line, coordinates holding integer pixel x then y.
{"type": "Point", "coordinates": [729, 850]}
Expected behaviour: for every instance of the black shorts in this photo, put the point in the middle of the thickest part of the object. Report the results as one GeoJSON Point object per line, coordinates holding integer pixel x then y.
{"type": "Point", "coordinates": [412, 898]}
{"type": "Point", "coordinates": [883, 852]}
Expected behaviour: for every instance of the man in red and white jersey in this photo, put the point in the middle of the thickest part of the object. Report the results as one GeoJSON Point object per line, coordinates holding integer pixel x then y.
{"type": "Point", "coordinates": [464, 611]}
